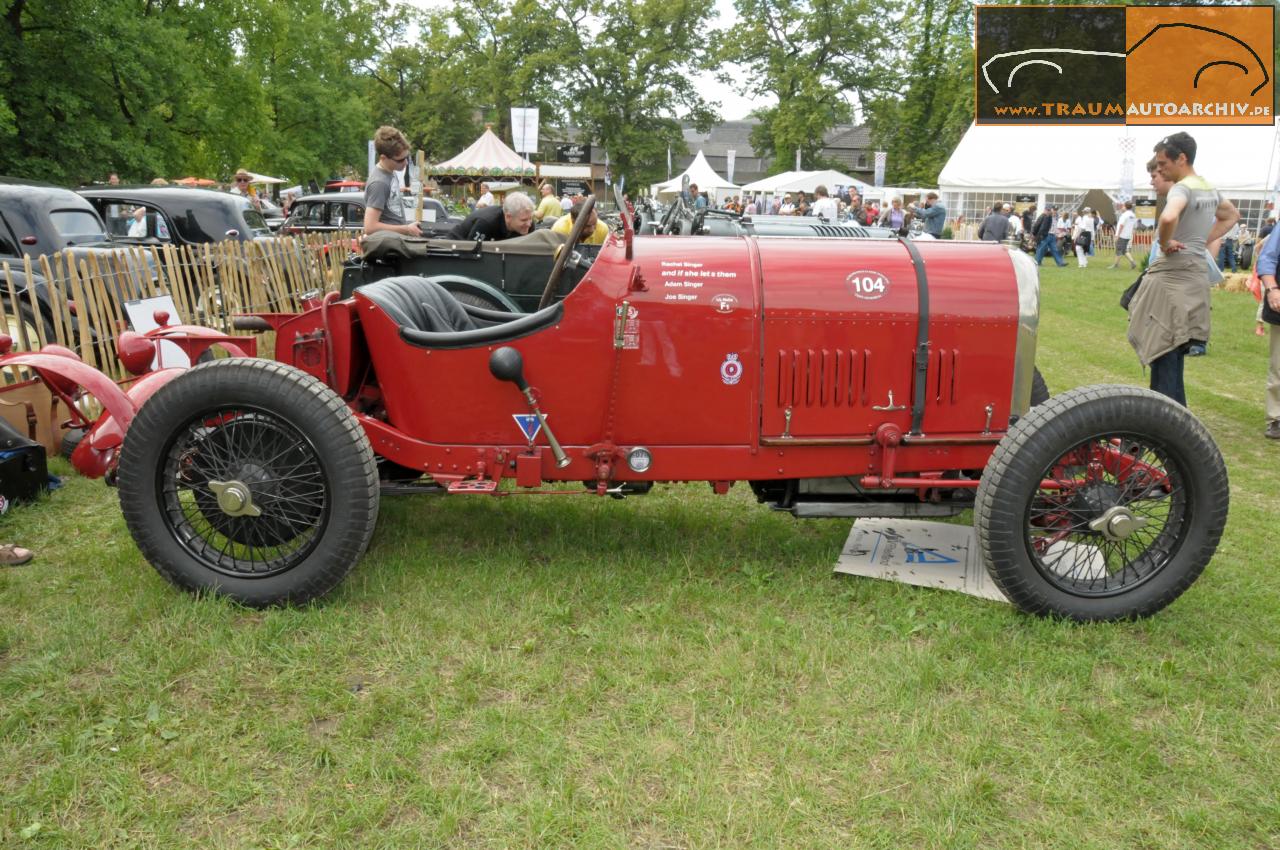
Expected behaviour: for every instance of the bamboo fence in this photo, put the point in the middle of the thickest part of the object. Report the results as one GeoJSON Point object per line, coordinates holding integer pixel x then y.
{"type": "Point", "coordinates": [209, 284]}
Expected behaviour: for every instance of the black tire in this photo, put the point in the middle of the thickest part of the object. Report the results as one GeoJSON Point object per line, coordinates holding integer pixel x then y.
{"type": "Point", "coordinates": [1039, 389]}
{"type": "Point", "coordinates": [283, 435]}
{"type": "Point", "coordinates": [1107, 448]}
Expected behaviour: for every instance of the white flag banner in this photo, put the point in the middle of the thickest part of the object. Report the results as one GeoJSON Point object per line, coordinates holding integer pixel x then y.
{"type": "Point", "coordinates": [373, 161]}
{"type": "Point", "coordinates": [731, 156]}
{"type": "Point", "coordinates": [524, 128]}
{"type": "Point", "coordinates": [881, 159]}
{"type": "Point", "coordinates": [1127, 146]}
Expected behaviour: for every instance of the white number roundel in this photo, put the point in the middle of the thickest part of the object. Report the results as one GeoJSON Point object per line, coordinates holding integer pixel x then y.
{"type": "Point", "coordinates": [867, 285]}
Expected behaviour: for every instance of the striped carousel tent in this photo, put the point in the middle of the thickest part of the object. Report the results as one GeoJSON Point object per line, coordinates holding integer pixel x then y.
{"type": "Point", "coordinates": [487, 158]}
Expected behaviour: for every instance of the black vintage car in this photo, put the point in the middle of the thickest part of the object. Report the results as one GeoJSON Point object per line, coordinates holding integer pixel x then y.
{"type": "Point", "coordinates": [176, 215]}
{"type": "Point", "coordinates": [330, 212]}
{"type": "Point", "coordinates": [180, 216]}
{"type": "Point", "coordinates": [37, 219]}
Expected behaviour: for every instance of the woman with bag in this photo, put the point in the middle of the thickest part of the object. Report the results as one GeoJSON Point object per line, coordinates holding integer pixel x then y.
{"type": "Point", "coordinates": [1082, 237]}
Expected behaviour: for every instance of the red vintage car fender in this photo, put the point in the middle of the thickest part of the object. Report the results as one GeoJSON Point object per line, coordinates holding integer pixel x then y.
{"type": "Point", "coordinates": [97, 452]}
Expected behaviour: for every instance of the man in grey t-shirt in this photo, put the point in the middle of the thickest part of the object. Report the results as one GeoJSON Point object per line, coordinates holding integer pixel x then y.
{"type": "Point", "coordinates": [383, 200]}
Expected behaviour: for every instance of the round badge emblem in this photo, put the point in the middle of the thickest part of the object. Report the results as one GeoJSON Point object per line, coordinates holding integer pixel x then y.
{"type": "Point", "coordinates": [724, 303]}
{"type": "Point", "coordinates": [867, 285]}
{"type": "Point", "coordinates": [731, 370]}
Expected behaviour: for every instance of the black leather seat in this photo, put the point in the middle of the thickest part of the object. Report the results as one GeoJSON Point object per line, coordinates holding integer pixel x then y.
{"type": "Point", "coordinates": [430, 316]}
{"type": "Point", "coordinates": [420, 304]}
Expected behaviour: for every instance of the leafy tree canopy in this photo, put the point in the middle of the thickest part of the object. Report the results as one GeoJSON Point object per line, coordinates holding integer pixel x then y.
{"type": "Point", "coordinates": [152, 88]}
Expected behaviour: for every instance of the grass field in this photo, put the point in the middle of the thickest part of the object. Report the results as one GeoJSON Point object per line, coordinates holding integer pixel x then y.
{"type": "Point", "coordinates": [680, 670]}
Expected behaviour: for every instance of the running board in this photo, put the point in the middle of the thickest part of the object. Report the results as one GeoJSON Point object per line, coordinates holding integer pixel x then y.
{"type": "Point", "coordinates": [410, 488]}
{"type": "Point", "coordinates": [814, 510]}
{"type": "Point", "coordinates": [482, 486]}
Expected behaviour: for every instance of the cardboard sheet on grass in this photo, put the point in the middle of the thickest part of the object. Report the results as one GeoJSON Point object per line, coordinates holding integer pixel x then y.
{"type": "Point", "coordinates": [28, 402]}
{"type": "Point", "coordinates": [912, 551]}
{"type": "Point", "coordinates": [937, 554]}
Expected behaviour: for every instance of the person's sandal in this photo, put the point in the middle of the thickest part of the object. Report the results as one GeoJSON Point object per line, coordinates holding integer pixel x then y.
{"type": "Point", "coordinates": [13, 555]}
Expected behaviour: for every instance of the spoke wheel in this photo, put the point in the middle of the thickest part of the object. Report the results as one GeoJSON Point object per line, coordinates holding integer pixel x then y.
{"type": "Point", "coordinates": [1102, 503]}
{"type": "Point", "coordinates": [1109, 514]}
{"type": "Point", "coordinates": [244, 491]}
{"type": "Point", "coordinates": [251, 479]}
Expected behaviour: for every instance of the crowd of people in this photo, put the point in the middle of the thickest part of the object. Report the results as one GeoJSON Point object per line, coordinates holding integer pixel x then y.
{"type": "Point", "coordinates": [845, 204]}
{"type": "Point", "coordinates": [1198, 236]}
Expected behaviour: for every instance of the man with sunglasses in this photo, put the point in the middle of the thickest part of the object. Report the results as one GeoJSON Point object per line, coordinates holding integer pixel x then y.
{"type": "Point", "coordinates": [383, 198]}
{"type": "Point", "coordinates": [241, 187]}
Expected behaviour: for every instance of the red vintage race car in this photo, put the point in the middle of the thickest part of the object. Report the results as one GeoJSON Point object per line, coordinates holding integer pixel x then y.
{"type": "Point", "coordinates": [836, 377]}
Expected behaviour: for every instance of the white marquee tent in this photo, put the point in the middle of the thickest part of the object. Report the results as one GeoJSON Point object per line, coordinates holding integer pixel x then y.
{"type": "Point", "coordinates": [805, 181]}
{"type": "Point", "coordinates": [701, 173]}
{"type": "Point", "coordinates": [1006, 161]}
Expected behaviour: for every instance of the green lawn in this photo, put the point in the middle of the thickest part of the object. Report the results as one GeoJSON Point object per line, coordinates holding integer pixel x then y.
{"type": "Point", "coordinates": [680, 670]}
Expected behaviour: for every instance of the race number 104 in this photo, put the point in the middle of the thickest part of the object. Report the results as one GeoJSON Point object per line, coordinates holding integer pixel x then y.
{"type": "Point", "coordinates": [867, 285]}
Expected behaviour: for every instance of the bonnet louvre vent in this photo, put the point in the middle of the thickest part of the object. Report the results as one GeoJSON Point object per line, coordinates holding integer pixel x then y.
{"type": "Point", "coordinates": [823, 377]}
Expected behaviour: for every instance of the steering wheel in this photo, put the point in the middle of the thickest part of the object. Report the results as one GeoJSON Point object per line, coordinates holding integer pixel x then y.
{"type": "Point", "coordinates": [563, 257]}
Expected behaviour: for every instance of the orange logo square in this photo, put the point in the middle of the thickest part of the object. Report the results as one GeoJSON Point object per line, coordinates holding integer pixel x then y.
{"type": "Point", "coordinates": [1199, 65]}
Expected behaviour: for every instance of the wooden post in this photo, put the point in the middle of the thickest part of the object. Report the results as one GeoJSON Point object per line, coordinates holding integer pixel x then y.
{"type": "Point", "coordinates": [36, 313]}
{"type": "Point", "coordinates": [422, 183]}
{"type": "Point", "coordinates": [57, 300]}
{"type": "Point", "coordinates": [87, 350]}
{"type": "Point", "coordinates": [15, 306]}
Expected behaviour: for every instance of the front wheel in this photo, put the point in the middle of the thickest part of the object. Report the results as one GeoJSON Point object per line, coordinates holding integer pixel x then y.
{"type": "Point", "coordinates": [1103, 503]}
{"type": "Point", "coordinates": [251, 479]}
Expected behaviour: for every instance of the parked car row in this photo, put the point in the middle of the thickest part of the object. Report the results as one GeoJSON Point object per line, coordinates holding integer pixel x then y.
{"type": "Point", "coordinates": [329, 212]}
{"type": "Point", "coordinates": [38, 219]}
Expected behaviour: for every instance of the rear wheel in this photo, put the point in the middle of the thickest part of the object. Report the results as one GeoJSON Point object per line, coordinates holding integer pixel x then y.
{"type": "Point", "coordinates": [1103, 503]}
{"type": "Point", "coordinates": [251, 479]}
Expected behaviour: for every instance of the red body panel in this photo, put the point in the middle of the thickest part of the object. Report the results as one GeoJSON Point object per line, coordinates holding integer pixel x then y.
{"type": "Point", "coordinates": [833, 353]}
{"type": "Point", "coordinates": [695, 348]}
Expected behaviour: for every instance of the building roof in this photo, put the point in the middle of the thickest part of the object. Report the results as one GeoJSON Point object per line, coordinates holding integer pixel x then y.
{"type": "Point", "coordinates": [846, 136]}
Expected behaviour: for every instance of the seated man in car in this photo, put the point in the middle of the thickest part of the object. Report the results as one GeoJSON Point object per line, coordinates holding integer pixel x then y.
{"type": "Point", "coordinates": [595, 231]}
{"type": "Point", "coordinates": [513, 218]}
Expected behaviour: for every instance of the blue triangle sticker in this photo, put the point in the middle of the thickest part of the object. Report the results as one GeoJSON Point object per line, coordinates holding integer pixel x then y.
{"type": "Point", "coordinates": [928, 556]}
{"type": "Point", "coordinates": [529, 424]}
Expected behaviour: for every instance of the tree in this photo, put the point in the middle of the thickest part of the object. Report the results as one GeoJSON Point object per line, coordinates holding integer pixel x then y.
{"type": "Point", "coordinates": [818, 59]}
{"type": "Point", "coordinates": [309, 112]}
{"type": "Point", "coordinates": [98, 85]}
{"type": "Point", "coordinates": [156, 87]}
{"type": "Point", "coordinates": [411, 88]}
{"type": "Point", "coordinates": [505, 56]}
{"type": "Point", "coordinates": [625, 73]}
{"type": "Point", "coordinates": [922, 125]}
